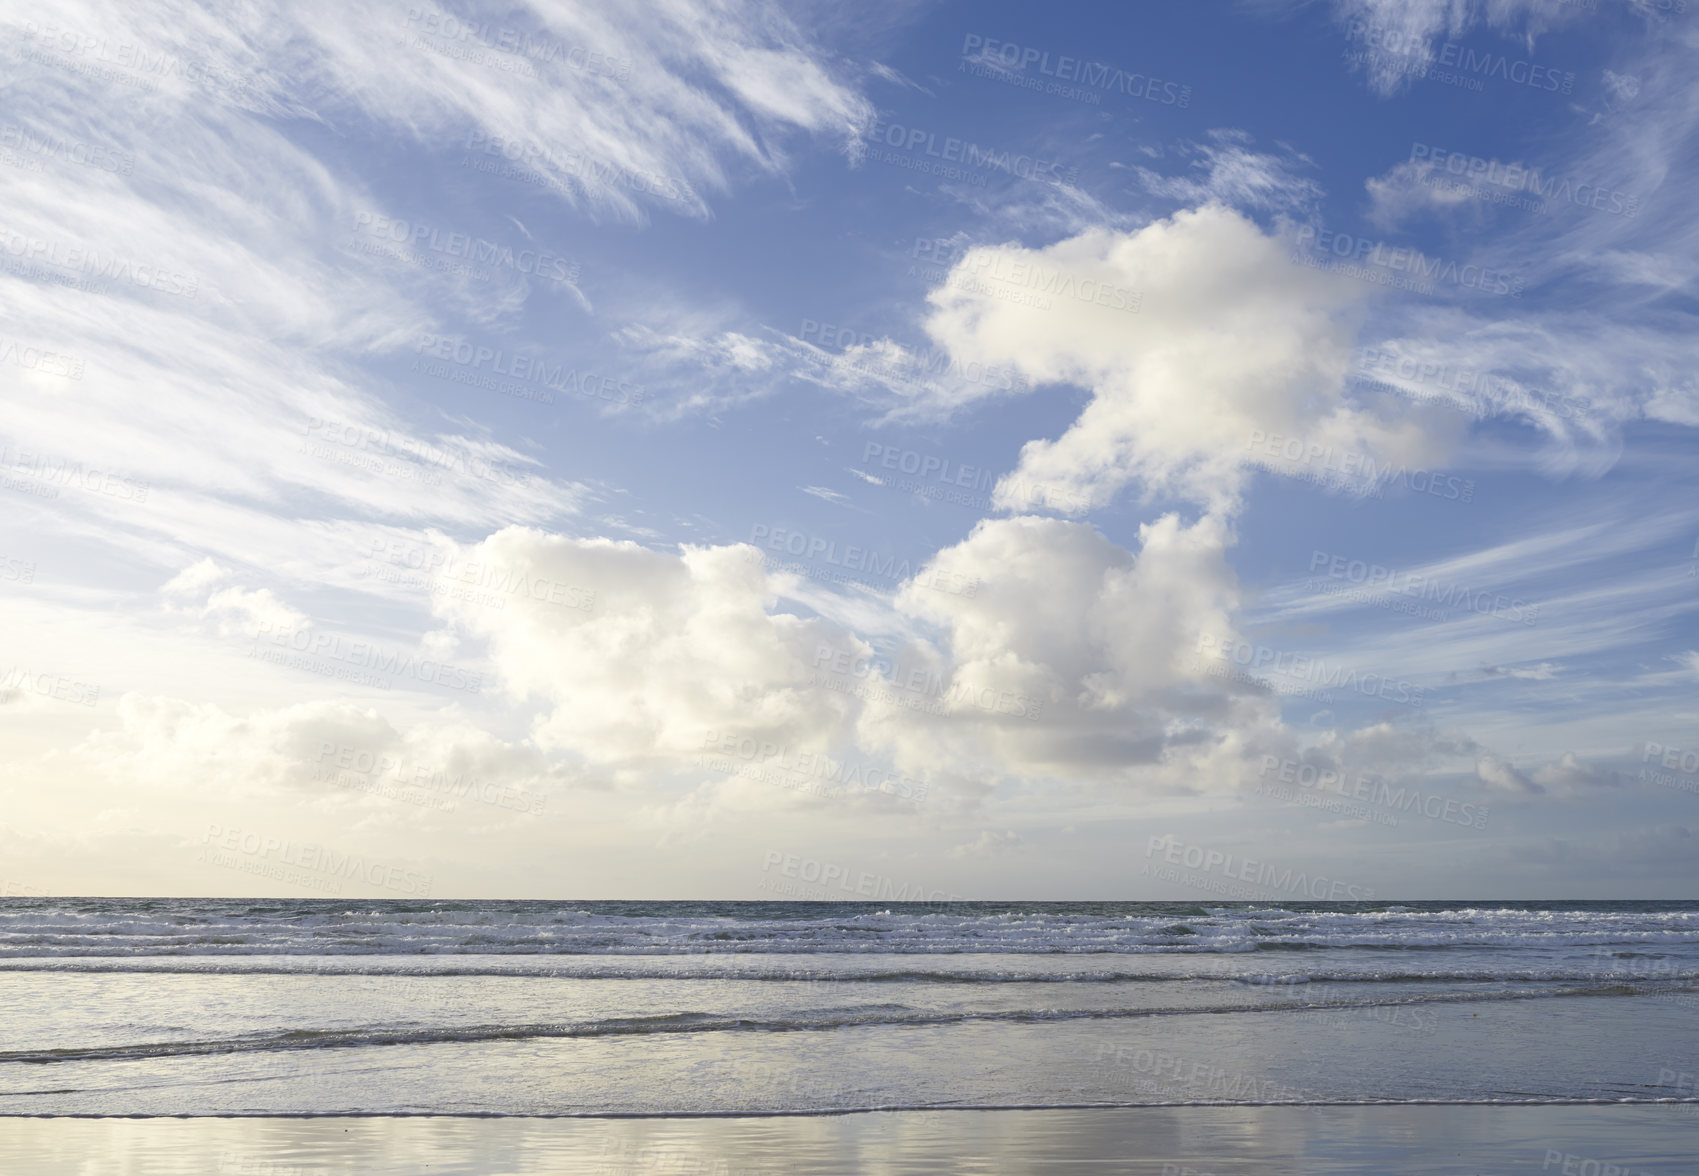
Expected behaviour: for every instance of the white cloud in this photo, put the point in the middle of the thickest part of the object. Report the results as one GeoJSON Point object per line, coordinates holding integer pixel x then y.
{"type": "Point", "coordinates": [1396, 39]}
{"type": "Point", "coordinates": [641, 653]}
{"type": "Point", "coordinates": [336, 753]}
{"type": "Point", "coordinates": [1569, 774]}
{"type": "Point", "coordinates": [1237, 176]}
{"type": "Point", "coordinates": [989, 844]}
{"type": "Point", "coordinates": [1413, 187]}
{"type": "Point", "coordinates": [825, 494]}
{"type": "Point", "coordinates": [1543, 672]}
{"type": "Point", "coordinates": [194, 579]}
{"type": "Point", "coordinates": [1072, 659]}
{"type": "Point", "coordinates": [671, 94]}
{"type": "Point", "coordinates": [234, 609]}
{"type": "Point", "coordinates": [1622, 87]}
{"type": "Point", "coordinates": [238, 609]}
{"type": "Point", "coordinates": [726, 367]}
{"type": "Point", "coordinates": [1232, 342]}
{"type": "Point", "coordinates": [1503, 775]}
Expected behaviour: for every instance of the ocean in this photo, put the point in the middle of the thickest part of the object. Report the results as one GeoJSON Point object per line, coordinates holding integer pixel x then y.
{"type": "Point", "coordinates": [264, 1007]}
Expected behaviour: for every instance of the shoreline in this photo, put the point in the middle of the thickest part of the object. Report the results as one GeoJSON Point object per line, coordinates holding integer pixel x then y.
{"type": "Point", "coordinates": [839, 1112]}
{"type": "Point", "coordinates": [1435, 1139]}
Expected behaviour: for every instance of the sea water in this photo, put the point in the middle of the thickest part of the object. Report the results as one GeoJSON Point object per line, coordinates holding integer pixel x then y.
{"type": "Point", "coordinates": [287, 1006]}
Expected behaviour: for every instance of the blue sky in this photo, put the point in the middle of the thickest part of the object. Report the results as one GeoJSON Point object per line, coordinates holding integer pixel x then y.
{"type": "Point", "coordinates": [579, 451]}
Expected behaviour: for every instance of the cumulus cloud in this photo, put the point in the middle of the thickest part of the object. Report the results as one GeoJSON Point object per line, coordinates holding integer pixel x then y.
{"type": "Point", "coordinates": [232, 608]}
{"type": "Point", "coordinates": [1233, 346]}
{"type": "Point", "coordinates": [638, 654]}
{"type": "Point", "coordinates": [1075, 659]}
{"type": "Point", "coordinates": [1071, 659]}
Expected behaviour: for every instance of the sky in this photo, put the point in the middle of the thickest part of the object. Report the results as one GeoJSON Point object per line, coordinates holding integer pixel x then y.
{"type": "Point", "coordinates": [739, 451]}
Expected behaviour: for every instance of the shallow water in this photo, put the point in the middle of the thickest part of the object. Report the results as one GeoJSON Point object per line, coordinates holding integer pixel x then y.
{"type": "Point", "coordinates": [1148, 1141]}
{"type": "Point", "coordinates": [241, 1007]}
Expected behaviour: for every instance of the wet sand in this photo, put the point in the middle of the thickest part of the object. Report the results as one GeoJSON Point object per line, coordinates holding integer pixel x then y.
{"type": "Point", "coordinates": [1161, 1141]}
